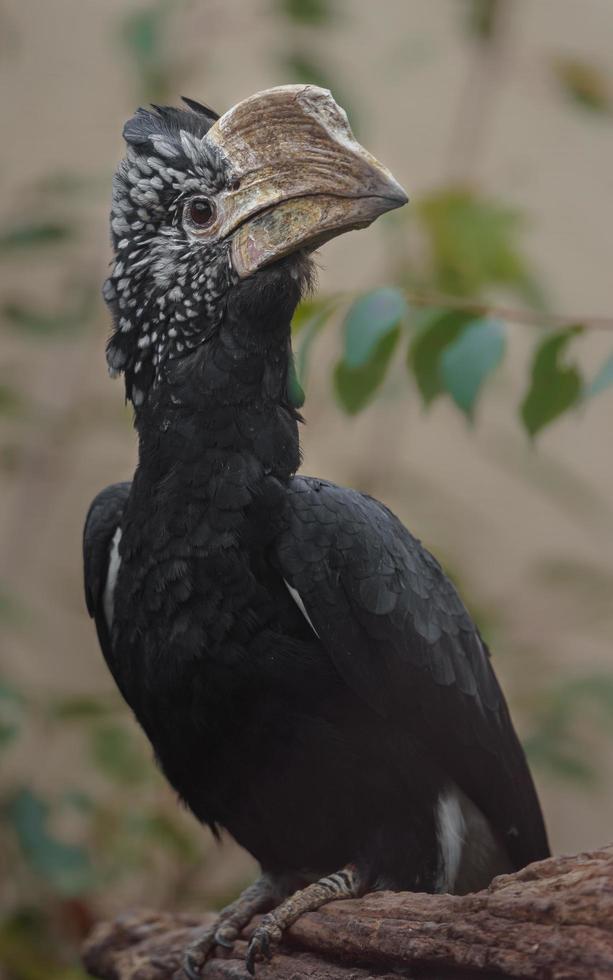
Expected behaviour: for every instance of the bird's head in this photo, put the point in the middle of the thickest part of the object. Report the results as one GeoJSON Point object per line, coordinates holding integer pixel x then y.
{"type": "Point", "coordinates": [204, 205]}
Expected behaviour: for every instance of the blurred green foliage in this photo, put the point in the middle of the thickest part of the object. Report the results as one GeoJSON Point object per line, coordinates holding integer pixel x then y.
{"type": "Point", "coordinates": [602, 380]}
{"type": "Point", "coordinates": [144, 36]}
{"type": "Point", "coordinates": [356, 385]}
{"type": "Point", "coordinates": [369, 320]}
{"type": "Point", "coordinates": [470, 359]}
{"type": "Point", "coordinates": [554, 386]}
{"type": "Point", "coordinates": [10, 400]}
{"type": "Point", "coordinates": [585, 85]}
{"type": "Point", "coordinates": [29, 234]}
{"type": "Point", "coordinates": [313, 12]}
{"type": "Point", "coordinates": [39, 324]}
{"type": "Point", "coordinates": [472, 244]}
{"type": "Point", "coordinates": [481, 18]}
{"type": "Point", "coordinates": [557, 743]}
{"type": "Point", "coordinates": [371, 329]}
{"type": "Point", "coordinates": [300, 60]}
{"type": "Point", "coordinates": [65, 867]}
{"type": "Point", "coordinates": [436, 330]}
{"type": "Point", "coordinates": [63, 847]}
{"type": "Point", "coordinates": [466, 248]}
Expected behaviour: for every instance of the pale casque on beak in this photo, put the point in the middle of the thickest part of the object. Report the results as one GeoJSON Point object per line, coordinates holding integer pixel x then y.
{"type": "Point", "coordinates": [301, 177]}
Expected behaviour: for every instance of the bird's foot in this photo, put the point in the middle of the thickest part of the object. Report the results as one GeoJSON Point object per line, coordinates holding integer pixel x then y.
{"type": "Point", "coordinates": [227, 928]}
{"type": "Point", "coordinates": [221, 933]}
{"type": "Point", "coordinates": [264, 942]}
{"type": "Point", "coordinates": [267, 936]}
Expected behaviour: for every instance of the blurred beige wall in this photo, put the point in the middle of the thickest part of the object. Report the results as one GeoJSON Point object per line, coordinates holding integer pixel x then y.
{"type": "Point", "coordinates": [498, 512]}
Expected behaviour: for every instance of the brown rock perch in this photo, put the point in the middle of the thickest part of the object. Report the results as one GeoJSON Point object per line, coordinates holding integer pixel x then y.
{"type": "Point", "coordinates": [551, 920]}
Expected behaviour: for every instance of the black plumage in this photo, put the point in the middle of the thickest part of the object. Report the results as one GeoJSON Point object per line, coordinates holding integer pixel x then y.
{"type": "Point", "coordinates": [306, 673]}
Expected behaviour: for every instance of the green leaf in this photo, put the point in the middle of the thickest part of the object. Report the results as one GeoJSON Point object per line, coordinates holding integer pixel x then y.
{"type": "Point", "coordinates": [584, 84]}
{"type": "Point", "coordinates": [557, 743]}
{"type": "Point", "coordinates": [79, 709]}
{"type": "Point", "coordinates": [167, 833]}
{"type": "Point", "coordinates": [369, 319]}
{"type": "Point", "coordinates": [482, 18]}
{"type": "Point", "coordinates": [314, 12]}
{"type": "Point", "coordinates": [34, 234]}
{"type": "Point", "coordinates": [310, 328]}
{"type": "Point", "coordinates": [554, 386]}
{"type": "Point", "coordinates": [141, 32]}
{"type": "Point", "coordinates": [295, 392]}
{"type": "Point", "coordinates": [356, 386]}
{"type": "Point", "coordinates": [64, 184]}
{"type": "Point", "coordinates": [25, 947]}
{"type": "Point", "coordinates": [596, 690]}
{"type": "Point", "coordinates": [304, 71]}
{"type": "Point", "coordinates": [144, 35]}
{"type": "Point", "coordinates": [437, 330]}
{"type": "Point", "coordinates": [115, 754]}
{"type": "Point", "coordinates": [10, 400]}
{"type": "Point", "coordinates": [602, 380]}
{"type": "Point", "coordinates": [309, 309]}
{"type": "Point", "coordinates": [39, 323]}
{"type": "Point", "coordinates": [473, 243]}
{"type": "Point", "coordinates": [559, 760]}
{"type": "Point", "coordinates": [11, 714]}
{"type": "Point", "coordinates": [468, 361]}
{"type": "Point", "coordinates": [65, 866]}
{"type": "Point", "coordinates": [77, 799]}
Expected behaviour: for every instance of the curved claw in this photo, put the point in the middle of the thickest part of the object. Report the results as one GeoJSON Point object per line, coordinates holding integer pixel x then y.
{"type": "Point", "coordinates": [252, 953]}
{"type": "Point", "coordinates": [262, 945]}
{"type": "Point", "coordinates": [192, 966]}
{"type": "Point", "coordinates": [196, 953]}
{"type": "Point", "coordinates": [226, 936]}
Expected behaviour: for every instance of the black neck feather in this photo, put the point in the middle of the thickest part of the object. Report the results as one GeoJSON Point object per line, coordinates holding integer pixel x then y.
{"type": "Point", "coordinates": [227, 400]}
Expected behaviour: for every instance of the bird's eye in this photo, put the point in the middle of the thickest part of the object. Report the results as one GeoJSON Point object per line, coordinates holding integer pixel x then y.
{"type": "Point", "coordinates": [201, 212]}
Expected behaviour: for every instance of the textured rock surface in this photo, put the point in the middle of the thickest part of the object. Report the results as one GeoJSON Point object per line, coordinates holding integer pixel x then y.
{"type": "Point", "coordinates": [551, 920]}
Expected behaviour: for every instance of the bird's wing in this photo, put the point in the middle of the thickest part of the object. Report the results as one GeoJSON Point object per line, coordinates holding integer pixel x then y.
{"type": "Point", "coordinates": [101, 558]}
{"type": "Point", "coordinates": [402, 639]}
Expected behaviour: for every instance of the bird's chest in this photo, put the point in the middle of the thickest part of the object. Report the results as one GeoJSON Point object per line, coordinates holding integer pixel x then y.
{"type": "Point", "coordinates": [189, 609]}
{"type": "Point", "coordinates": [190, 625]}
{"type": "Point", "coordinates": [198, 606]}
{"type": "Point", "coordinates": [194, 574]}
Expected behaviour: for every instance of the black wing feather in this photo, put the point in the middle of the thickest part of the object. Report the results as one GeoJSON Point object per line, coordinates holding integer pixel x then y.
{"type": "Point", "coordinates": [402, 639]}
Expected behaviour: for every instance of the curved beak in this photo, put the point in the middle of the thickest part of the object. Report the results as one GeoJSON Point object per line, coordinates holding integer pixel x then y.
{"type": "Point", "coordinates": [302, 178]}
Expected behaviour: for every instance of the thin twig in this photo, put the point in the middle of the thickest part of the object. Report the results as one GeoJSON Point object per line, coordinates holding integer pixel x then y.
{"type": "Point", "coordinates": [424, 298]}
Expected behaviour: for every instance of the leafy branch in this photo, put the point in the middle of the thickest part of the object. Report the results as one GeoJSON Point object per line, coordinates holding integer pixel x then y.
{"type": "Point", "coordinates": [450, 350]}
{"type": "Point", "coordinates": [455, 250]}
{"type": "Point", "coordinates": [511, 314]}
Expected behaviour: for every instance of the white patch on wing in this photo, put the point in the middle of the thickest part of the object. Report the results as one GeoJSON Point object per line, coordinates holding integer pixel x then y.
{"type": "Point", "coordinates": [451, 833]}
{"type": "Point", "coordinates": [108, 600]}
{"type": "Point", "coordinates": [470, 853]}
{"type": "Point", "coordinates": [296, 597]}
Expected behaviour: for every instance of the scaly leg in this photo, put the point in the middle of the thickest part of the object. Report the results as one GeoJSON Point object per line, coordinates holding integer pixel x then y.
{"type": "Point", "coordinates": [258, 897]}
{"type": "Point", "coordinates": [341, 884]}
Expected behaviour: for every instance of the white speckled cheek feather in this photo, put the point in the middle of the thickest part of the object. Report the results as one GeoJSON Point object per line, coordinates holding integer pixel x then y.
{"type": "Point", "coordinates": [165, 286]}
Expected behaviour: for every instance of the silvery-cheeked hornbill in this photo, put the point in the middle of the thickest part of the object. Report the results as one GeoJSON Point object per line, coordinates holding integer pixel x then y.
{"type": "Point", "coordinates": [307, 675]}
